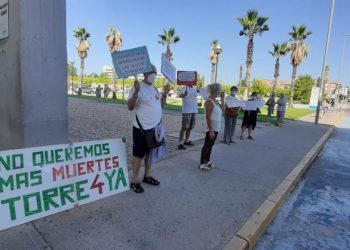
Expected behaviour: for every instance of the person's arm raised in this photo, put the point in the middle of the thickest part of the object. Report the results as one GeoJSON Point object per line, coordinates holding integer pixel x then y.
{"type": "Point", "coordinates": [165, 94]}
{"type": "Point", "coordinates": [132, 101]}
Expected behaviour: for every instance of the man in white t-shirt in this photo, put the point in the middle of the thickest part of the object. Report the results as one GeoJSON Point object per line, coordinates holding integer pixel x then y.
{"type": "Point", "coordinates": [147, 102]}
{"type": "Point", "coordinates": [189, 111]}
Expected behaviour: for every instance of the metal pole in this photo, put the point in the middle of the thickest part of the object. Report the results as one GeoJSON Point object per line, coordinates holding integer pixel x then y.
{"type": "Point", "coordinates": [340, 67]}
{"type": "Point", "coordinates": [216, 68]}
{"type": "Point", "coordinates": [123, 87]}
{"type": "Point", "coordinates": [72, 73]}
{"type": "Point", "coordinates": [324, 65]}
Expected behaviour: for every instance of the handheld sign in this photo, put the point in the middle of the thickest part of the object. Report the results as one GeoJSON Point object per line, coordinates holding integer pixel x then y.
{"type": "Point", "coordinates": [231, 103]}
{"type": "Point", "coordinates": [188, 78]}
{"type": "Point", "coordinates": [41, 181]}
{"type": "Point", "coordinates": [252, 105]}
{"type": "Point", "coordinates": [131, 62]}
{"type": "Point", "coordinates": [168, 70]}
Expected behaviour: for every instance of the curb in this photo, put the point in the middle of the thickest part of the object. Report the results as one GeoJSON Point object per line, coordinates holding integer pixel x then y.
{"type": "Point", "coordinates": [251, 231]}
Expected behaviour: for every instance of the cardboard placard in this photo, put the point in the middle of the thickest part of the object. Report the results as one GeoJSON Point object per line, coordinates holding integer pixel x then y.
{"type": "Point", "coordinates": [252, 105]}
{"type": "Point", "coordinates": [131, 62]}
{"type": "Point", "coordinates": [188, 78]}
{"type": "Point", "coordinates": [168, 70]}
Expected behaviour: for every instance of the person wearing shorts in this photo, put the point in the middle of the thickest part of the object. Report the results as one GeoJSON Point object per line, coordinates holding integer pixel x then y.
{"type": "Point", "coordinates": [189, 111]}
{"type": "Point", "coordinates": [147, 103]}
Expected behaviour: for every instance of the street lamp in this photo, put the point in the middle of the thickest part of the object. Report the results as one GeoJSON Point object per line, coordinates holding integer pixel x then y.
{"type": "Point", "coordinates": [324, 65]}
{"type": "Point", "coordinates": [218, 51]}
{"type": "Point", "coordinates": [72, 73]}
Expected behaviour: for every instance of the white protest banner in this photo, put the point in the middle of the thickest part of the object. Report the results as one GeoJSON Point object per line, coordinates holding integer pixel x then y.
{"type": "Point", "coordinates": [41, 181]}
{"type": "Point", "coordinates": [315, 92]}
{"type": "Point", "coordinates": [4, 19]}
{"type": "Point", "coordinates": [168, 70]}
{"type": "Point", "coordinates": [188, 78]}
{"type": "Point", "coordinates": [131, 62]}
{"type": "Point", "coordinates": [252, 105]}
{"type": "Point", "coordinates": [234, 103]}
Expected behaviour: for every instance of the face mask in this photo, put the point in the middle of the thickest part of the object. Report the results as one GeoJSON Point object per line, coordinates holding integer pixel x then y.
{"type": "Point", "coordinates": [233, 93]}
{"type": "Point", "coordinates": [152, 78]}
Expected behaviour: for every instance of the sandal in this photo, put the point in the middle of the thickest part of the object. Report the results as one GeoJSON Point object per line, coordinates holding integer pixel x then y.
{"type": "Point", "coordinates": [136, 187]}
{"type": "Point", "coordinates": [151, 180]}
{"type": "Point", "coordinates": [210, 165]}
{"type": "Point", "coordinates": [204, 167]}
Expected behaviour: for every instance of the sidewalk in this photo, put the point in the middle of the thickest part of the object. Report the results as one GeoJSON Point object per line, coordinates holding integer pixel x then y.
{"type": "Point", "coordinates": [191, 209]}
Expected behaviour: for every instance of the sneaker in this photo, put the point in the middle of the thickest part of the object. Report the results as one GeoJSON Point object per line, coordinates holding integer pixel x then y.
{"type": "Point", "coordinates": [181, 147]}
{"type": "Point", "coordinates": [189, 143]}
{"type": "Point", "coordinates": [232, 141]}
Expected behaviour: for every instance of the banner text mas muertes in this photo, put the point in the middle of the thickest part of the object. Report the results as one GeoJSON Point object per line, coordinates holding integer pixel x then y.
{"type": "Point", "coordinates": [37, 182]}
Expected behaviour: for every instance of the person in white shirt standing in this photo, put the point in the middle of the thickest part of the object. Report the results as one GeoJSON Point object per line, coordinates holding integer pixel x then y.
{"type": "Point", "coordinates": [147, 102]}
{"type": "Point", "coordinates": [189, 111]}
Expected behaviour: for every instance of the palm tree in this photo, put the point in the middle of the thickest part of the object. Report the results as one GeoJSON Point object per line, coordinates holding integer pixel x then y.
{"type": "Point", "coordinates": [167, 38]}
{"type": "Point", "coordinates": [213, 58]}
{"type": "Point", "coordinates": [278, 51]}
{"type": "Point", "coordinates": [114, 42]}
{"type": "Point", "coordinates": [252, 24]}
{"type": "Point", "coordinates": [82, 47]}
{"type": "Point", "coordinates": [300, 50]}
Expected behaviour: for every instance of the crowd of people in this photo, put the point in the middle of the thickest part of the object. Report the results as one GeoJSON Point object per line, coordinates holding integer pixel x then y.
{"type": "Point", "coordinates": [149, 136]}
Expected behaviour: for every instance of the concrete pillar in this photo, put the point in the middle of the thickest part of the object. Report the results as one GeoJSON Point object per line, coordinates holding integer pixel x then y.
{"type": "Point", "coordinates": [33, 75]}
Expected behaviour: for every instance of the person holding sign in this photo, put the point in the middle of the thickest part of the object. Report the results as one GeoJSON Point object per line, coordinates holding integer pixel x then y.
{"type": "Point", "coordinates": [147, 102]}
{"type": "Point", "coordinates": [270, 108]}
{"type": "Point", "coordinates": [213, 112]}
{"type": "Point", "coordinates": [281, 109]}
{"type": "Point", "coordinates": [231, 114]}
{"type": "Point", "coordinates": [249, 118]}
{"type": "Point", "coordinates": [189, 111]}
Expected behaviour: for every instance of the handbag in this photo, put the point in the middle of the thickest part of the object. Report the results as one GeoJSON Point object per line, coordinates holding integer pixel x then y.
{"type": "Point", "coordinates": [150, 136]}
{"type": "Point", "coordinates": [232, 112]}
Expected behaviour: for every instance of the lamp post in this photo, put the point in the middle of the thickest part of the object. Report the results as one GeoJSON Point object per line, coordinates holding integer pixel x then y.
{"type": "Point", "coordinates": [218, 51]}
{"type": "Point", "coordinates": [72, 73]}
{"type": "Point", "coordinates": [340, 66]}
{"type": "Point", "coordinates": [324, 65]}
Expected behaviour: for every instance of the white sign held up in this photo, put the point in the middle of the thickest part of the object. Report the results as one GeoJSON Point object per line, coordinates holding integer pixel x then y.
{"type": "Point", "coordinates": [168, 70]}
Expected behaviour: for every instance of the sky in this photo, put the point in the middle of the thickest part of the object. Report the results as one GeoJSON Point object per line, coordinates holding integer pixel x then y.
{"type": "Point", "coordinates": [198, 22]}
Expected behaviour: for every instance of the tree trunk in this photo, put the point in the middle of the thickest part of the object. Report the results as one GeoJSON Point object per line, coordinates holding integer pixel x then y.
{"type": "Point", "coordinates": [213, 67]}
{"type": "Point", "coordinates": [81, 75]}
{"type": "Point", "coordinates": [249, 64]}
{"type": "Point", "coordinates": [276, 75]}
{"type": "Point", "coordinates": [291, 97]}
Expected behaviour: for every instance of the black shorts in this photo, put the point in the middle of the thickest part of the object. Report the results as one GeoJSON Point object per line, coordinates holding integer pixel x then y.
{"type": "Point", "coordinates": [139, 148]}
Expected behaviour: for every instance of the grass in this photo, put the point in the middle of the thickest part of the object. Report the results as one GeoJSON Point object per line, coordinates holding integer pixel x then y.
{"type": "Point", "coordinates": [175, 105]}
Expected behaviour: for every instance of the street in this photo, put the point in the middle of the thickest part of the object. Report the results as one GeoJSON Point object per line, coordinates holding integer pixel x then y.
{"type": "Point", "coordinates": [317, 214]}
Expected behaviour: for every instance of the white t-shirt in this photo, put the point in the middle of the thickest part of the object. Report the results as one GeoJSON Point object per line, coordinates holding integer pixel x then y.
{"type": "Point", "coordinates": [148, 106]}
{"type": "Point", "coordinates": [189, 102]}
{"type": "Point", "coordinates": [230, 98]}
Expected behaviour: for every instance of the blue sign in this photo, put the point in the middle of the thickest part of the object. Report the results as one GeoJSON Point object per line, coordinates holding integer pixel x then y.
{"type": "Point", "coordinates": [131, 62]}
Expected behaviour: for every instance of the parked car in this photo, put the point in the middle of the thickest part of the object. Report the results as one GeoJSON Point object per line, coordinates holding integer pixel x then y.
{"type": "Point", "coordinates": [85, 90]}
